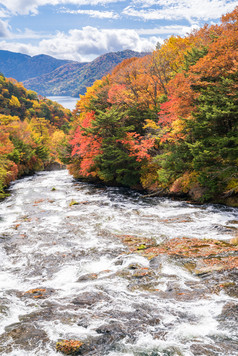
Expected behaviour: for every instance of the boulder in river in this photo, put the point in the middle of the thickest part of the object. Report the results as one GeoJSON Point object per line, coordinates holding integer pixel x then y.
{"type": "Point", "coordinates": [38, 293]}
{"type": "Point", "coordinates": [87, 299]}
{"type": "Point", "coordinates": [23, 336]}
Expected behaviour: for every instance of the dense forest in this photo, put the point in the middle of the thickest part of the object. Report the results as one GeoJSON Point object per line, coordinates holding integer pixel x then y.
{"type": "Point", "coordinates": [32, 131]}
{"type": "Point", "coordinates": [166, 122]}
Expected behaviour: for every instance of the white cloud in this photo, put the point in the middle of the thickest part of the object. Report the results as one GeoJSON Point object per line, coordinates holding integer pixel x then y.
{"type": "Point", "coordinates": [176, 10]}
{"type": "Point", "coordinates": [3, 13]}
{"type": "Point", "coordinates": [29, 34]}
{"type": "Point", "coordinates": [24, 7]}
{"type": "Point", "coordinates": [4, 29]}
{"type": "Point", "coordinates": [143, 9]}
{"type": "Point", "coordinates": [18, 47]}
{"type": "Point", "coordinates": [92, 13]}
{"type": "Point", "coordinates": [168, 30]}
{"type": "Point", "coordinates": [92, 41]}
{"type": "Point", "coordinates": [86, 44]}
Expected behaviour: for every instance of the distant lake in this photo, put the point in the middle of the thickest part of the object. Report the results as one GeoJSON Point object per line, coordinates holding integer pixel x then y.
{"type": "Point", "coordinates": [66, 101]}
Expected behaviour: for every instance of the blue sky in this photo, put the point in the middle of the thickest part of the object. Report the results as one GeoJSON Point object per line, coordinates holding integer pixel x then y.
{"type": "Point", "coordinates": [81, 30]}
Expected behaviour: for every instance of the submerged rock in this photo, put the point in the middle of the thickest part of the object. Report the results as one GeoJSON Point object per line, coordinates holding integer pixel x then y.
{"type": "Point", "coordinates": [205, 350]}
{"type": "Point", "coordinates": [207, 255]}
{"type": "Point", "coordinates": [136, 243]}
{"type": "Point", "coordinates": [230, 312]}
{"type": "Point", "coordinates": [225, 280]}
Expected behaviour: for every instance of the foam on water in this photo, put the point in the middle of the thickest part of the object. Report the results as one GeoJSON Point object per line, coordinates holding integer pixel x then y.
{"type": "Point", "coordinates": [48, 243]}
{"type": "Point", "coordinates": [65, 279]}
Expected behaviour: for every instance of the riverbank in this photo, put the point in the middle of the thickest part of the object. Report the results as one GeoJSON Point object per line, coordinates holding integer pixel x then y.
{"type": "Point", "coordinates": [52, 166]}
{"type": "Point", "coordinates": [228, 199]}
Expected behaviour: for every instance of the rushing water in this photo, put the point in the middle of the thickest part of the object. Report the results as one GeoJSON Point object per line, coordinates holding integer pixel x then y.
{"type": "Point", "coordinates": [74, 253]}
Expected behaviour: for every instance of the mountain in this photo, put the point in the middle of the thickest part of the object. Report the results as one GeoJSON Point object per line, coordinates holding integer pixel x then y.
{"type": "Point", "coordinates": [73, 78]}
{"type": "Point", "coordinates": [62, 81]}
{"type": "Point", "coordinates": [50, 76]}
{"type": "Point", "coordinates": [22, 67]}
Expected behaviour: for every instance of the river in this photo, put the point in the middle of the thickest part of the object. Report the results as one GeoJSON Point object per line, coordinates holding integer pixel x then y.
{"type": "Point", "coordinates": [85, 276]}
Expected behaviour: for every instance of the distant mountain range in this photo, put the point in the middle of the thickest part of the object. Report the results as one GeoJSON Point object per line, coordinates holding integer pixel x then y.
{"type": "Point", "coordinates": [22, 67]}
{"type": "Point", "coordinates": [50, 76]}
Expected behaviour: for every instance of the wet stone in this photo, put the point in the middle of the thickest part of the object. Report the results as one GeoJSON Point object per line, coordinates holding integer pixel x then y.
{"type": "Point", "coordinates": [137, 272]}
{"type": "Point", "coordinates": [90, 298]}
{"type": "Point", "coordinates": [226, 281]}
{"type": "Point", "coordinates": [97, 345]}
{"type": "Point", "coordinates": [3, 306]}
{"type": "Point", "coordinates": [87, 277]}
{"type": "Point", "coordinates": [113, 328]}
{"type": "Point", "coordinates": [205, 350]}
{"type": "Point", "coordinates": [143, 273]}
{"type": "Point", "coordinates": [24, 335]}
{"type": "Point", "coordinates": [157, 262]}
{"type": "Point", "coordinates": [110, 310]}
{"type": "Point", "coordinates": [229, 314]}
{"type": "Point", "coordinates": [110, 334]}
{"type": "Point", "coordinates": [44, 314]}
{"type": "Point", "coordinates": [136, 243]}
{"type": "Point", "coordinates": [38, 293]}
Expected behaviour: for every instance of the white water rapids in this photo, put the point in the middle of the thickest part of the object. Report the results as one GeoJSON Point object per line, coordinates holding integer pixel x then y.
{"type": "Point", "coordinates": [74, 253]}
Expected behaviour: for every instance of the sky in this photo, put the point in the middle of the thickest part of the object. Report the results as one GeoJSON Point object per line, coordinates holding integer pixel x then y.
{"type": "Point", "coordinates": [81, 30]}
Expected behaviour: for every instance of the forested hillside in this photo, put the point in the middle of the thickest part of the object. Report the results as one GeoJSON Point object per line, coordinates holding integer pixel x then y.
{"type": "Point", "coordinates": [32, 131]}
{"type": "Point", "coordinates": [166, 122]}
{"type": "Point", "coordinates": [73, 78]}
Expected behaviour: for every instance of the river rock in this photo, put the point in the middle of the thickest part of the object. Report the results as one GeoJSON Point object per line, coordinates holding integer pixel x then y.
{"type": "Point", "coordinates": [3, 306]}
{"type": "Point", "coordinates": [89, 298]}
{"type": "Point", "coordinates": [38, 293]}
{"type": "Point", "coordinates": [24, 335]}
{"type": "Point", "coordinates": [205, 350]}
{"type": "Point", "coordinates": [112, 328]}
{"type": "Point", "coordinates": [229, 313]}
{"type": "Point", "coordinates": [87, 277]}
{"type": "Point", "coordinates": [226, 281]}
{"type": "Point", "coordinates": [157, 262]}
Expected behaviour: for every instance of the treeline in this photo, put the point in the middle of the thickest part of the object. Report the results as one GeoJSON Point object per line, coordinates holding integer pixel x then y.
{"type": "Point", "coordinates": [166, 122]}
{"type": "Point", "coordinates": [32, 131]}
